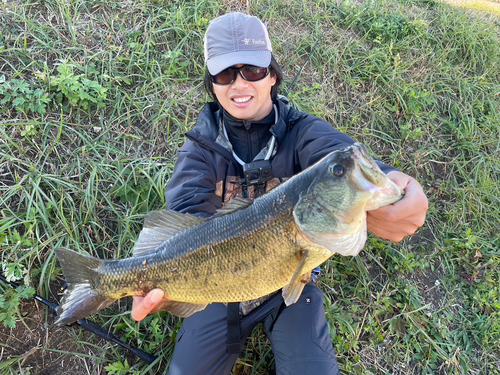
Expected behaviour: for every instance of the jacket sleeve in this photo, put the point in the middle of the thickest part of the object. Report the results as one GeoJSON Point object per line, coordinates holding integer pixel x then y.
{"type": "Point", "coordinates": [192, 186]}
{"type": "Point", "coordinates": [318, 138]}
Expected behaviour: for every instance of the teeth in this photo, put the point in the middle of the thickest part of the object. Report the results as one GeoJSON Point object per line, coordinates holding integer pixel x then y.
{"type": "Point", "coordinates": [243, 99]}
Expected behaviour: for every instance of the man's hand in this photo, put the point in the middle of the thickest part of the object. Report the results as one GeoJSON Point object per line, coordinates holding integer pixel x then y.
{"type": "Point", "coordinates": [403, 218]}
{"type": "Point", "coordinates": [142, 306]}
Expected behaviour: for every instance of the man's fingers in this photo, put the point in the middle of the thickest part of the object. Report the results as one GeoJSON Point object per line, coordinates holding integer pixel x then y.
{"type": "Point", "coordinates": [403, 226]}
{"type": "Point", "coordinates": [386, 216]}
{"type": "Point", "coordinates": [142, 306]}
{"type": "Point", "coordinates": [386, 235]}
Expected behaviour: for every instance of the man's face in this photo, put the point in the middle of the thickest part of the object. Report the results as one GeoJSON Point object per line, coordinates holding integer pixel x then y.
{"type": "Point", "coordinates": [244, 100]}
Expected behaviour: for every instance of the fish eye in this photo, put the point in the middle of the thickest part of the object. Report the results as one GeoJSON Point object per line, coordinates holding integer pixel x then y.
{"type": "Point", "coordinates": [337, 170]}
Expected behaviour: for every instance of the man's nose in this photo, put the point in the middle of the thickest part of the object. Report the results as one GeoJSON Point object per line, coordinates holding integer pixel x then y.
{"type": "Point", "coordinates": [240, 81]}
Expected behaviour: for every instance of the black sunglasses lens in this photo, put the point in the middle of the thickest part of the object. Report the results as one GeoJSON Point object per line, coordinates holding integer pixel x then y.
{"type": "Point", "coordinates": [225, 77]}
{"type": "Point", "coordinates": [248, 72]}
{"type": "Point", "coordinates": [254, 73]}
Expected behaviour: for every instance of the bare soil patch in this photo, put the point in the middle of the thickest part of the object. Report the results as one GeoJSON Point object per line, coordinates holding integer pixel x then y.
{"type": "Point", "coordinates": [46, 349]}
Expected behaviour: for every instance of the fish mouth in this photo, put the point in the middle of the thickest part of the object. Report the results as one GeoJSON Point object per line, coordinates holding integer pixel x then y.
{"type": "Point", "coordinates": [367, 166]}
{"type": "Point", "coordinates": [369, 177]}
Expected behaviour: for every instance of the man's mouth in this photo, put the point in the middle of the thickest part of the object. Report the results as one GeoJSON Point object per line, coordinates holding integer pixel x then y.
{"type": "Point", "coordinates": [242, 99]}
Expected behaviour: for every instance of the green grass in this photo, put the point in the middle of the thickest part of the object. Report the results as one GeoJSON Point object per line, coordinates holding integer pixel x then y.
{"type": "Point", "coordinates": [96, 95]}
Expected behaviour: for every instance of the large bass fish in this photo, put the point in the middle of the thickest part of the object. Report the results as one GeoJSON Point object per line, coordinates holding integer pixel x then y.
{"type": "Point", "coordinates": [246, 251]}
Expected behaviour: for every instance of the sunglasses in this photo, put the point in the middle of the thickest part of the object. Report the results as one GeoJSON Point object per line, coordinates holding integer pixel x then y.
{"type": "Point", "coordinates": [249, 73]}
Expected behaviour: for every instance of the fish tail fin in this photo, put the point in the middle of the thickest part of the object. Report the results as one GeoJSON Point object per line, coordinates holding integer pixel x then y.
{"type": "Point", "coordinates": [79, 299]}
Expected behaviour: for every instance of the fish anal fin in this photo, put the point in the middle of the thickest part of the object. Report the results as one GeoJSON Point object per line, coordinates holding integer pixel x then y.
{"type": "Point", "coordinates": [159, 226]}
{"type": "Point", "coordinates": [293, 290]}
{"type": "Point", "coordinates": [181, 309]}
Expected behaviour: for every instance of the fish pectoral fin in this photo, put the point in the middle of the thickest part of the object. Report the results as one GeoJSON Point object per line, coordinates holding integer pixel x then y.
{"type": "Point", "coordinates": [159, 226]}
{"type": "Point", "coordinates": [181, 309]}
{"type": "Point", "coordinates": [293, 290]}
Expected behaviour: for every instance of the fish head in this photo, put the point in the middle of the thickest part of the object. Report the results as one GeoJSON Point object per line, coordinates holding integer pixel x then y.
{"type": "Point", "coordinates": [343, 185]}
{"type": "Point", "coordinates": [373, 189]}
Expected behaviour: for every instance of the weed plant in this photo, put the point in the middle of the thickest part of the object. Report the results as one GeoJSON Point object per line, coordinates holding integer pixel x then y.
{"type": "Point", "coordinates": [95, 97]}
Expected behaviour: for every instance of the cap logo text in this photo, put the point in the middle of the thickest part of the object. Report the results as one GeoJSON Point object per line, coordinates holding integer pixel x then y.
{"type": "Point", "coordinates": [253, 41]}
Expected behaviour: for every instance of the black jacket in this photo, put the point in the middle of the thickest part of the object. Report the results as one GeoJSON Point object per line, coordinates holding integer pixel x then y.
{"type": "Point", "coordinates": [205, 173]}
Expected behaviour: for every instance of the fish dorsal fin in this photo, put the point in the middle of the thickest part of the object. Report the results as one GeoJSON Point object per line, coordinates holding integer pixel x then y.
{"type": "Point", "coordinates": [293, 290]}
{"type": "Point", "coordinates": [171, 220]}
{"type": "Point", "coordinates": [234, 204]}
{"type": "Point", "coordinates": [159, 226]}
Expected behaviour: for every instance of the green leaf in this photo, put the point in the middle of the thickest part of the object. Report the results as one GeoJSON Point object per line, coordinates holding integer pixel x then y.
{"type": "Point", "coordinates": [25, 291]}
{"type": "Point", "coordinates": [19, 101]}
{"type": "Point", "coordinates": [8, 321]}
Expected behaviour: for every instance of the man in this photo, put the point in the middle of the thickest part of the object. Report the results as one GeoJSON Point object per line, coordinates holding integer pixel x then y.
{"type": "Point", "coordinates": [246, 123]}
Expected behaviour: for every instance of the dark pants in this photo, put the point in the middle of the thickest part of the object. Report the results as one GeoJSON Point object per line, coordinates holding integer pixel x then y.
{"type": "Point", "coordinates": [299, 338]}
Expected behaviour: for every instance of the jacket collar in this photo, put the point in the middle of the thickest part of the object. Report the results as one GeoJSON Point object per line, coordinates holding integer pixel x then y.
{"type": "Point", "coordinates": [207, 124]}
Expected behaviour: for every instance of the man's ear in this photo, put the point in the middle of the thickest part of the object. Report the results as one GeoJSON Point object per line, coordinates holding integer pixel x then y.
{"type": "Point", "coordinates": [273, 77]}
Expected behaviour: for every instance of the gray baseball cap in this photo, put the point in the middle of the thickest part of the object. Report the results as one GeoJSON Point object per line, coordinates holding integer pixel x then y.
{"type": "Point", "coordinates": [236, 38]}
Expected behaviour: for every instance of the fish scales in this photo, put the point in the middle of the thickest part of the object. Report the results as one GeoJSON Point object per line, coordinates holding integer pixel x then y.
{"type": "Point", "coordinates": [274, 256]}
{"type": "Point", "coordinates": [246, 251]}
